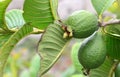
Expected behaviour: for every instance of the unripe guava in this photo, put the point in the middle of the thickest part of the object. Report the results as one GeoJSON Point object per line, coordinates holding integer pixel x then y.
{"type": "Point", "coordinates": [92, 52]}
{"type": "Point", "coordinates": [83, 23]}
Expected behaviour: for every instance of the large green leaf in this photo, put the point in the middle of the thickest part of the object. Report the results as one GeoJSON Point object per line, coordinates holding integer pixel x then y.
{"type": "Point", "coordinates": [10, 43]}
{"type": "Point", "coordinates": [103, 70]}
{"type": "Point", "coordinates": [40, 12]}
{"type": "Point", "coordinates": [51, 47]}
{"type": "Point", "coordinates": [3, 6]}
{"type": "Point", "coordinates": [101, 5]}
{"type": "Point", "coordinates": [113, 40]}
{"type": "Point", "coordinates": [14, 19]}
{"type": "Point", "coordinates": [74, 56]}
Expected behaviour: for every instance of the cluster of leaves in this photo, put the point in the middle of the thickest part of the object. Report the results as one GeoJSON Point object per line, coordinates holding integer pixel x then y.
{"type": "Point", "coordinates": [16, 24]}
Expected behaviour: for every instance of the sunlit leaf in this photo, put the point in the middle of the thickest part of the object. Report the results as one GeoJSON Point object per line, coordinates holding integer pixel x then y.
{"type": "Point", "coordinates": [14, 19]}
{"type": "Point", "coordinates": [40, 12]}
{"type": "Point", "coordinates": [51, 47]}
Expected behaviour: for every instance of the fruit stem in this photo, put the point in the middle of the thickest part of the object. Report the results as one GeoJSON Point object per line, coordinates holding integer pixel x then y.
{"type": "Point", "coordinates": [113, 68]}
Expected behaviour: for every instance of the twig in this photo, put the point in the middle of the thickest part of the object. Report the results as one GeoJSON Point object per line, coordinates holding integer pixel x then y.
{"type": "Point", "coordinates": [111, 23]}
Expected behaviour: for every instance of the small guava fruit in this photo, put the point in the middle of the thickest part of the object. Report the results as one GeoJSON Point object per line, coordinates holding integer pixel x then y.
{"type": "Point", "coordinates": [92, 52]}
{"type": "Point", "coordinates": [83, 23]}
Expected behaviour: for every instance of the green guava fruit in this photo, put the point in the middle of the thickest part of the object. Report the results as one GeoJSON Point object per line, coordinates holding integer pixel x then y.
{"type": "Point", "coordinates": [83, 23]}
{"type": "Point", "coordinates": [92, 52]}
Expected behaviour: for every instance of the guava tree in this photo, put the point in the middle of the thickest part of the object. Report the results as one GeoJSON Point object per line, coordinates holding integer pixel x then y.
{"type": "Point", "coordinates": [97, 56]}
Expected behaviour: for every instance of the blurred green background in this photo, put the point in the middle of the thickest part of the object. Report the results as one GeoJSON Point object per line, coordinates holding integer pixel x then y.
{"type": "Point", "coordinates": [25, 62]}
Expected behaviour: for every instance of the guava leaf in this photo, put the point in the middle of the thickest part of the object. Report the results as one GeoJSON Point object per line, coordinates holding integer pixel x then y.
{"type": "Point", "coordinates": [14, 19]}
{"type": "Point", "coordinates": [10, 43]}
{"type": "Point", "coordinates": [115, 8]}
{"type": "Point", "coordinates": [113, 30]}
{"type": "Point", "coordinates": [51, 47]}
{"type": "Point", "coordinates": [103, 70]}
{"type": "Point", "coordinates": [113, 46]}
{"type": "Point", "coordinates": [54, 8]}
{"type": "Point", "coordinates": [101, 5]}
{"type": "Point", "coordinates": [113, 40]}
{"type": "Point", "coordinates": [4, 38]}
{"type": "Point", "coordinates": [3, 5]}
{"type": "Point", "coordinates": [74, 56]}
{"type": "Point", "coordinates": [40, 12]}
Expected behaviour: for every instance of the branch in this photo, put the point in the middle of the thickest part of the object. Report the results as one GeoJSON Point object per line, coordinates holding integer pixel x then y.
{"type": "Point", "coordinates": [111, 23]}
{"type": "Point", "coordinates": [113, 69]}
